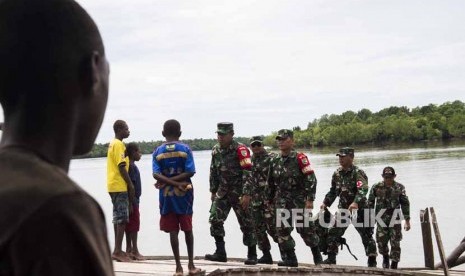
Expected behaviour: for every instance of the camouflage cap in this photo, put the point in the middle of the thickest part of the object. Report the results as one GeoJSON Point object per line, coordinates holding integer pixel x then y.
{"type": "Point", "coordinates": [388, 171]}
{"type": "Point", "coordinates": [284, 133]}
{"type": "Point", "coordinates": [224, 128]}
{"type": "Point", "coordinates": [256, 139]}
{"type": "Point", "coordinates": [345, 151]}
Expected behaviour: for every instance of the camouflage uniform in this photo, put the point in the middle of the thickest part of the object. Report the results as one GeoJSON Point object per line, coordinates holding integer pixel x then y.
{"type": "Point", "coordinates": [389, 198]}
{"type": "Point", "coordinates": [294, 182]}
{"type": "Point", "coordinates": [262, 209]}
{"type": "Point", "coordinates": [229, 169]}
{"type": "Point", "coordinates": [351, 186]}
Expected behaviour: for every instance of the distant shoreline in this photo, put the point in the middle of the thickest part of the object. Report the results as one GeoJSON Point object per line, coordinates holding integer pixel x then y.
{"type": "Point", "coordinates": [314, 149]}
{"type": "Point", "coordinates": [390, 127]}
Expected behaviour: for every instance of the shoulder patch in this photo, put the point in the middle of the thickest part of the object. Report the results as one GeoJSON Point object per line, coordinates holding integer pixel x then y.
{"type": "Point", "coordinates": [244, 157]}
{"type": "Point", "coordinates": [359, 184]}
{"type": "Point", "coordinates": [304, 164]}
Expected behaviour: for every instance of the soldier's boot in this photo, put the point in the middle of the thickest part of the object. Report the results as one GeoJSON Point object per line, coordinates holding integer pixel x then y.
{"type": "Point", "coordinates": [266, 258]}
{"type": "Point", "coordinates": [331, 258]}
{"type": "Point", "coordinates": [251, 256]}
{"type": "Point", "coordinates": [386, 261]}
{"type": "Point", "coordinates": [317, 259]}
{"type": "Point", "coordinates": [372, 261]}
{"type": "Point", "coordinates": [219, 255]}
{"type": "Point", "coordinates": [393, 265]}
{"type": "Point", "coordinates": [283, 257]}
{"type": "Point", "coordinates": [291, 259]}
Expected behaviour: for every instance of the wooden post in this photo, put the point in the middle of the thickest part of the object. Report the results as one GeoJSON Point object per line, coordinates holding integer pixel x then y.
{"type": "Point", "coordinates": [427, 238]}
{"type": "Point", "coordinates": [452, 260]}
{"type": "Point", "coordinates": [439, 242]}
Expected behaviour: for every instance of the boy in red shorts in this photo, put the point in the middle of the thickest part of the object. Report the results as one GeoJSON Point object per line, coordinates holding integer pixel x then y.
{"type": "Point", "coordinates": [173, 166]}
{"type": "Point", "coordinates": [132, 227]}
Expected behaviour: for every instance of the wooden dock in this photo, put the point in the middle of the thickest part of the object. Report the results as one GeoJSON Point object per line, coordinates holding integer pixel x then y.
{"type": "Point", "coordinates": [162, 265]}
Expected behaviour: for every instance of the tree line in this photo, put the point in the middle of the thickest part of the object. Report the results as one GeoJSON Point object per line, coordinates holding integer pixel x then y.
{"type": "Point", "coordinates": [390, 125]}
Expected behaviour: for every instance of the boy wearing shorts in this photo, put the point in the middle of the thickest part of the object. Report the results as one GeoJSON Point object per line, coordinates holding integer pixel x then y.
{"type": "Point", "coordinates": [132, 228]}
{"type": "Point", "coordinates": [119, 186]}
{"type": "Point", "coordinates": [173, 166]}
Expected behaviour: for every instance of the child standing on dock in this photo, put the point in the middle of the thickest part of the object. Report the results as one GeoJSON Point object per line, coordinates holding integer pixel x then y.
{"type": "Point", "coordinates": [173, 166]}
{"type": "Point", "coordinates": [132, 227]}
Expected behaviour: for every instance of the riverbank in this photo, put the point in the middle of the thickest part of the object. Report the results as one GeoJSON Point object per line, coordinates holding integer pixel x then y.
{"type": "Point", "coordinates": [100, 150]}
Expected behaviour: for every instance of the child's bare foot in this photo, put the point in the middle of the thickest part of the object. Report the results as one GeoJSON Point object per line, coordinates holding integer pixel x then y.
{"type": "Point", "coordinates": [194, 270]}
{"type": "Point", "coordinates": [179, 271]}
{"type": "Point", "coordinates": [137, 256]}
{"type": "Point", "coordinates": [120, 257]}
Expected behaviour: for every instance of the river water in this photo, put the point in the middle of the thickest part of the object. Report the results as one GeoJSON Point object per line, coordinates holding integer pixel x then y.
{"type": "Point", "coordinates": [433, 176]}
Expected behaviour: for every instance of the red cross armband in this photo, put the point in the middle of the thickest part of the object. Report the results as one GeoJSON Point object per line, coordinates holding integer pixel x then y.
{"type": "Point", "coordinates": [244, 158]}
{"type": "Point", "coordinates": [304, 164]}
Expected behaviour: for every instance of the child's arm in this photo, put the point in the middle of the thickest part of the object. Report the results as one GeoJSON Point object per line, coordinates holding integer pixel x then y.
{"type": "Point", "coordinates": [176, 181]}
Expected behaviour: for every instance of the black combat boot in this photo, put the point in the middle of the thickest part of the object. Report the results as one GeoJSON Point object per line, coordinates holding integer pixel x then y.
{"type": "Point", "coordinates": [219, 255]}
{"type": "Point", "coordinates": [266, 258]}
{"type": "Point", "coordinates": [393, 265]}
{"type": "Point", "coordinates": [283, 257]}
{"type": "Point", "coordinates": [251, 256]}
{"type": "Point", "coordinates": [372, 261]}
{"type": "Point", "coordinates": [331, 259]}
{"type": "Point", "coordinates": [290, 260]}
{"type": "Point", "coordinates": [317, 259]}
{"type": "Point", "coordinates": [386, 261]}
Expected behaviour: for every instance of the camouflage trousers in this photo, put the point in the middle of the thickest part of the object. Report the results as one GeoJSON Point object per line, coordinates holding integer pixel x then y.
{"type": "Point", "coordinates": [307, 232]}
{"type": "Point", "coordinates": [219, 212]}
{"type": "Point", "coordinates": [384, 235]}
{"type": "Point", "coordinates": [366, 233]}
{"type": "Point", "coordinates": [264, 222]}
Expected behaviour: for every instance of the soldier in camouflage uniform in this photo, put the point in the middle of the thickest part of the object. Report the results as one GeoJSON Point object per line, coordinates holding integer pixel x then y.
{"type": "Point", "coordinates": [350, 183]}
{"type": "Point", "coordinates": [262, 209]}
{"type": "Point", "coordinates": [389, 196]}
{"type": "Point", "coordinates": [293, 183]}
{"type": "Point", "coordinates": [230, 168]}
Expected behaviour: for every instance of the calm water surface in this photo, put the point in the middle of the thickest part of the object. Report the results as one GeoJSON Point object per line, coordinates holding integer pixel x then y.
{"type": "Point", "coordinates": [432, 176]}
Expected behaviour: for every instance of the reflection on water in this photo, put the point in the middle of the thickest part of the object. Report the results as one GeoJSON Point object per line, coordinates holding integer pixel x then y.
{"type": "Point", "coordinates": [433, 176]}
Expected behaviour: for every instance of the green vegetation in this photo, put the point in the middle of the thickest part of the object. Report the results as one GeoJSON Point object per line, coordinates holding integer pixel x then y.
{"type": "Point", "coordinates": [390, 125]}
{"type": "Point", "coordinates": [100, 150]}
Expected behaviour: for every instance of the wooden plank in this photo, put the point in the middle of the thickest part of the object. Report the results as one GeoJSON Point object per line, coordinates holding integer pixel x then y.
{"type": "Point", "coordinates": [442, 255]}
{"type": "Point", "coordinates": [427, 238]}
{"type": "Point", "coordinates": [162, 266]}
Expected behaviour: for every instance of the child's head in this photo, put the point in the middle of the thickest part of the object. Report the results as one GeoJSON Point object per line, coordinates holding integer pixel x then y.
{"type": "Point", "coordinates": [133, 151]}
{"type": "Point", "coordinates": [171, 129]}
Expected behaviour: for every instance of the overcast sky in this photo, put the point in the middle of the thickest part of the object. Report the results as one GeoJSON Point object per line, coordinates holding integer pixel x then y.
{"type": "Point", "coordinates": [266, 65]}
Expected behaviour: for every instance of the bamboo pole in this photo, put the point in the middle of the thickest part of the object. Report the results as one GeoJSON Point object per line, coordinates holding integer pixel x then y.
{"type": "Point", "coordinates": [439, 242]}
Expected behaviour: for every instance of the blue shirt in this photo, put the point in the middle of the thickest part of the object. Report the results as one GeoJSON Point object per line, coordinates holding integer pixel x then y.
{"type": "Point", "coordinates": [134, 175]}
{"type": "Point", "coordinates": [171, 159]}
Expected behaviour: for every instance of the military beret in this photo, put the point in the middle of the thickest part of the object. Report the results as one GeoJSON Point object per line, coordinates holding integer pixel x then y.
{"type": "Point", "coordinates": [225, 128]}
{"type": "Point", "coordinates": [284, 133]}
{"type": "Point", "coordinates": [345, 151]}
